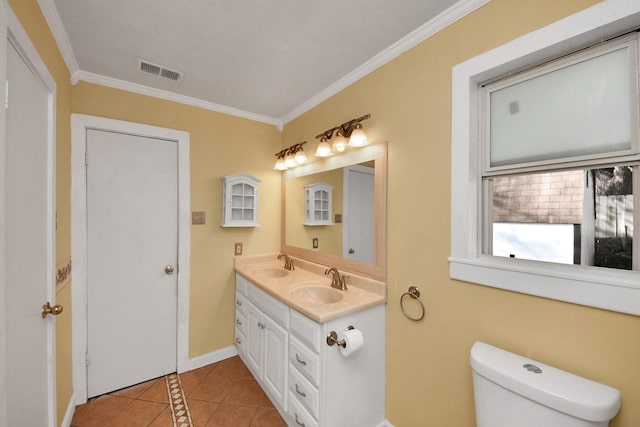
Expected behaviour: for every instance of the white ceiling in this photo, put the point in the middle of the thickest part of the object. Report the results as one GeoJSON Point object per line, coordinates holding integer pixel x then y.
{"type": "Point", "coordinates": [267, 58]}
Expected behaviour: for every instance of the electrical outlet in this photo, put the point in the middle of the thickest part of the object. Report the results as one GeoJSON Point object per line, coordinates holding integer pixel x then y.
{"type": "Point", "coordinates": [237, 249]}
{"type": "Point", "coordinates": [315, 243]}
{"type": "Point", "coordinates": [198, 217]}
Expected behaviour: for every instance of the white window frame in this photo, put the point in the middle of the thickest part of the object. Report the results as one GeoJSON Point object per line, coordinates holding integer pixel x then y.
{"type": "Point", "coordinates": [610, 289]}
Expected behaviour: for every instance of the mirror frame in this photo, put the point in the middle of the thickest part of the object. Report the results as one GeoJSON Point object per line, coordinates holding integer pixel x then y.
{"type": "Point", "coordinates": [377, 153]}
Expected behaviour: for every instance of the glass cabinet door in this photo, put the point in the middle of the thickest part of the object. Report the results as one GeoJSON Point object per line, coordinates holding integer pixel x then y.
{"type": "Point", "coordinates": [318, 204]}
{"type": "Point", "coordinates": [239, 201]}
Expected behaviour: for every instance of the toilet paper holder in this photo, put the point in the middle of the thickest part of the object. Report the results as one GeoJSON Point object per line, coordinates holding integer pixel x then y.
{"type": "Point", "coordinates": [332, 338]}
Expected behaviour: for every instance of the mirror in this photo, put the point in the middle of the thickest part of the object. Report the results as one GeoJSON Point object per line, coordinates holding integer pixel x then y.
{"type": "Point", "coordinates": [359, 245]}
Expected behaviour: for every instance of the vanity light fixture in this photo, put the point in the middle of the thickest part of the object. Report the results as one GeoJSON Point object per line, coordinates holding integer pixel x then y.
{"type": "Point", "coordinates": [290, 157]}
{"type": "Point", "coordinates": [324, 149]}
{"type": "Point", "coordinates": [351, 129]}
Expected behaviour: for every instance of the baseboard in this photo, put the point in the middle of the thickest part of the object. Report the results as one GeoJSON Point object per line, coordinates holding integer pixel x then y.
{"type": "Point", "coordinates": [68, 415]}
{"type": "Point", "coordinates": [213, 357]}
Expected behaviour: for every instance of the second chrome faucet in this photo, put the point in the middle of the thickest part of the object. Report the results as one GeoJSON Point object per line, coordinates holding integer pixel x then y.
{"type": "Point", "coordinates": [338, 281]}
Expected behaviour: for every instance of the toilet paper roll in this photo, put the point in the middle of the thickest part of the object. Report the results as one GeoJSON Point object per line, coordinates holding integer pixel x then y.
{"type": "Point", "coordinates": [354, 340]}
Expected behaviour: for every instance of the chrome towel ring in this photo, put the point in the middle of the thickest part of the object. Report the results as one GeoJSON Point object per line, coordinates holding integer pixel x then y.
{"type": "Point", "coordinates": [414, 293]}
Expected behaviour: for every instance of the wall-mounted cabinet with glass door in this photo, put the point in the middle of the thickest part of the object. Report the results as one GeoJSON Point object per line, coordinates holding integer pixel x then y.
{"type": "Point", "coordinates": [239, 200]}
{"type": "Point", "coordinates": [318, 204]}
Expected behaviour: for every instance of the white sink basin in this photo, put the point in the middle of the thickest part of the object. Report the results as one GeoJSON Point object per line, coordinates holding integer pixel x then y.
{"type": "Point", "coordinates": [319, 294]}
{"type": "Point", "coordinates": [271, 273]}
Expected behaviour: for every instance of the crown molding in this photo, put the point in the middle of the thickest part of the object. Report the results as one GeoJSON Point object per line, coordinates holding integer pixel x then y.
{"type": "Point", "coordinates": [431, 27]}
{"type": "Point", "coordinates": [52, 17]}
{"type": "Point", "coordinates": [171, 96]}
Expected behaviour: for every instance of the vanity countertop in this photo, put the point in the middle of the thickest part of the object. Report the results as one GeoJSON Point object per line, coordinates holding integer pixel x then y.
{"type": "Point", "coordinates": [262, 270]}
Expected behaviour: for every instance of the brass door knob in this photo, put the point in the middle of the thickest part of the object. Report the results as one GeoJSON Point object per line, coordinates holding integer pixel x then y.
{"type": "Point", "coordinates": [47, 310]}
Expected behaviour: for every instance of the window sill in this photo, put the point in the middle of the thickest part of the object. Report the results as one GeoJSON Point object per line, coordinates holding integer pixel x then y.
{"type": "Point", "coordinates": [616, 290]}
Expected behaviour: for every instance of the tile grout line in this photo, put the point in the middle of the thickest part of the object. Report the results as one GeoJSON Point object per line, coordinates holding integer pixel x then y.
{"type": "Point", "coordinates": [178, 402]}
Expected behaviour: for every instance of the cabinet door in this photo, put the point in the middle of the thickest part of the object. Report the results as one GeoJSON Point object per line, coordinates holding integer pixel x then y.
{"type": "Point", "coordinates": [255, 334]}
{"type": "Point", "coordinates": [275, 360]}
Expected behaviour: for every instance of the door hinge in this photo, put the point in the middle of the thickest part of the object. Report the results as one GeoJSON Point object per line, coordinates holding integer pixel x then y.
{"type": "Point", "coordinates": [86, 359]}
{"type": "Point", "coordinates": [6, 94]}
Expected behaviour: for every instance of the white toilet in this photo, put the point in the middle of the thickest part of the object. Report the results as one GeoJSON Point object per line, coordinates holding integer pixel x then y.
{"type": "Point", "coordinates": [513, 391]}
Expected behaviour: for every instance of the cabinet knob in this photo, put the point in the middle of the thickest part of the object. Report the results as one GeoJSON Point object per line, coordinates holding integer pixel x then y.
{"type": "Point", "coordinates": [238, 302]}
{"type": "Point", "coordinates": [238, 341]}
{"type": "Point", "coordinates": [239, 322]}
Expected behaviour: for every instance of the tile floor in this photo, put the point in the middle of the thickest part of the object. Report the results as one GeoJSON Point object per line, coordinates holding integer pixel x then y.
{"type": "Point", "coordinates": [222, 394]}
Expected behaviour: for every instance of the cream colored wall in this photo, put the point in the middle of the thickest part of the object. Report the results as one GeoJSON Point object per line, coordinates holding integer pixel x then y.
{"type": "Point", "coordinates": [428, 374]}
{"type": "Point", "coordinates": [31, 18]}
{"type": "Point", "coordinates": [220, 145]}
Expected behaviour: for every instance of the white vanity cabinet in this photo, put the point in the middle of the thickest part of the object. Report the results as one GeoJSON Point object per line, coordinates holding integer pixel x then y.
{"type": "Point", "coordinates": [328, 389]}
{"type": "Point", "coordinates": [311, 383]}
{"type": "Point", "coordinates": [263, 343]}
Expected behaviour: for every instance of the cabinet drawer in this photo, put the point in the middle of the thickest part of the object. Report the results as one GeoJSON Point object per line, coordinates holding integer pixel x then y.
{"type": "Point", "coordinates": [241, 303]}
{"type": "Point", "coordinates": [241, 285]}
{"type": "Point", "coordinates": [307, 330]}
{"type": "Point", "coordinates": [270, 306]}
{"type": "Point", "coordinates": [241, 322]}
{"type": "Point", "coordinates": [305, 360]}
{"type": "Point", "coordinates": [304, 391]}
{"type": "Point", "coordinates": [240, 341]}
{"type": "Point", "coordinates": [298, 415]}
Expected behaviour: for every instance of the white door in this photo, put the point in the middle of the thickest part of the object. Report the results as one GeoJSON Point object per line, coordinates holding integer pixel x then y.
{"type": "Point", "coordinates": [359, 214]}
{"type": "Point", "coordinates": [132, 218]}
{"type": "Point", "coordinates": [29, 247]}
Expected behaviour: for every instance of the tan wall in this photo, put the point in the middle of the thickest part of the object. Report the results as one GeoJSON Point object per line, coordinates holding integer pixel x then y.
{"type": "Point", "coordinates": [29, 15]}
{"type": "Point", "coordinates": [220, 145]}
{"type": "Point", "coordinates": [428, 373]}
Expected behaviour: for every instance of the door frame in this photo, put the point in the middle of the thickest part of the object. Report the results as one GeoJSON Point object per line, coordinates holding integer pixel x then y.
{"type": "Point", "coordinates": [80, 123]}
{"type": "Point", "coordinates": [11, 29]}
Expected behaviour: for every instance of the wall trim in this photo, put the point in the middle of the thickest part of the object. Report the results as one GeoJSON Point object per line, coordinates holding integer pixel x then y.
{"type": "Point", "coordinates": [52, 17]}
{"type": "Point", "coordinates": [79, 125]}
{"type": "Point", "coordinates": [213, 357]}
{"type": "Point", "coordinates": [420, 34]}
{"type": "Point", "coordinates": [71, 409]}
{"type": "Point", "coordinates": [99, 79]}
{"type": "Point", "coordinates": [431, 27]}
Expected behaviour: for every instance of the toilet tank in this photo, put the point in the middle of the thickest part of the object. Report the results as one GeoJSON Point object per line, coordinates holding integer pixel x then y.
{"type": "Point", "coordinates": [514, 391]}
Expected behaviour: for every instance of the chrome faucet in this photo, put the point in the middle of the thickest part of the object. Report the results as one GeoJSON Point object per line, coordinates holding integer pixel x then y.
{"type": "Point", "coordinates": [337, 281]}
{"type": "Point", "coordinates": [288, 262]}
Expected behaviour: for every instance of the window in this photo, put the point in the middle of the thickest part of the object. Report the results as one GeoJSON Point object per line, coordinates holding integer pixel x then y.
{"type": "Point", "coordinates": [544, 163]}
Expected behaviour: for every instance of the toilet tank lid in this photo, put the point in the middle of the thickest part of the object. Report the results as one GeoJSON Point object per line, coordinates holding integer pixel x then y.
{"type": "Point", "coordinates": [557, 389]}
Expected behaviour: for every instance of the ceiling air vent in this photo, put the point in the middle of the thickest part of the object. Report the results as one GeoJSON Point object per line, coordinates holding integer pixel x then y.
{"type": "Point", "coordinates": [158, 70]}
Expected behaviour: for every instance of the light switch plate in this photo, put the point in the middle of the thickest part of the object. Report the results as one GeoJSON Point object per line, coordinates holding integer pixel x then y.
{"type": "Point", "coordinates": [237, 249]}
{"type": "Point", "coordinates": [315, 243]}
{"type": "Point", "coordinates": [198, 217]}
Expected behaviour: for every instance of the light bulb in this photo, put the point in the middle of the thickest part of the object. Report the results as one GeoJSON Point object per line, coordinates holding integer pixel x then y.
{"type": "Point", "coordinates": [358, 137]}
{"type": "Point", "coordinates": [289, 161]}
{"type": "Point", "coordinates": [323, 150]}
{"type": "Point", "coordinates": [280, 166]}
{"type": "Point", "coordinates": [340, 143]}
{"type": "Point", "coordinates": [300, 157]}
